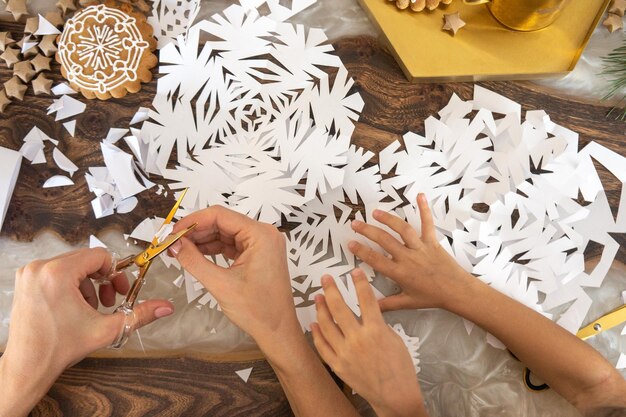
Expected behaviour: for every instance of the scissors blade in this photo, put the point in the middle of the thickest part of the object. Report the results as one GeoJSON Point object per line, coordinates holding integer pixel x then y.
{"type": "Point", "coordinates": [153, 251]}
{"type": "Point", "coordinates": [170, 216]}
{"type": "Point", "coordinates": [606, 322]}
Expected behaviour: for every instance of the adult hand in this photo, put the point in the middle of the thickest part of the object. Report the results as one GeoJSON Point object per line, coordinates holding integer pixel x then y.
{"type": "Point", "coordinates": [367, 354]}
{"type": "Point", "coordinates": [54, 323]}
{"type": "Point", "coordinates": [255, 291]}
{"type": "Point", "coordinates": [427, 274]}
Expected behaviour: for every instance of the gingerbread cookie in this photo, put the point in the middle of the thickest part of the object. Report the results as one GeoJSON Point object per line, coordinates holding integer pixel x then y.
{"type": "Point", "coordinates": [106, 51]}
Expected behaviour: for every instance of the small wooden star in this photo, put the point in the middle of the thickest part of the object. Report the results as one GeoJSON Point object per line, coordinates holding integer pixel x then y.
{"type": "Point", "coordinates": [618, 7]}
{"type": "Point", "coordinates": [54, 18]}
{"type": "Point", "coordinates": [24, 70]}
{"type": "Point", "coordinates": [11, 56]}
{"type": "Point", "coordinates": [40, 63]}
{"type": "Point", "coordinates": [4, 101]}
{"type": "Point", "coordinates": [17, 8]}
{"type": "Point", "coordinates": [5, 40]}
{"type": "Point", "coordinates": [453, 22]}
{"type": "Point", "coordinates": [42, 85]}
{"type": "Point", "coordinates": [47, 45]}
{"type": "Point", "coordinates": [613, 22]}
{"type": "Point", "coordinates": [32, 24]}
{"type": "Point", "coordinates": [66, 5]}
{"type": "Point", "coordinates": [15, 89]}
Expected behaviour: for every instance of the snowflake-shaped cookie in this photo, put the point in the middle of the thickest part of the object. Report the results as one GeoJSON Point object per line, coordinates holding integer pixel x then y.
{"type": "Point", "coordinates": [106, 51]}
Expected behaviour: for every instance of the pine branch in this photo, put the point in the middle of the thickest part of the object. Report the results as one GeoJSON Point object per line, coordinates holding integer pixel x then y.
{"type": "Point", "coordinates": [615, 69]}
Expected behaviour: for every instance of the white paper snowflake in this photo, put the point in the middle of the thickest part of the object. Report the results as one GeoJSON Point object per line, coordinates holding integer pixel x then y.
{"type": "Point", "coordinates": [171, 18]}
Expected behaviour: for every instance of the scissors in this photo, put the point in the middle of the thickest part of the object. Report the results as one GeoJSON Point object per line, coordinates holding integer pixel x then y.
{"type": "Point", "coordinates": [606, 322]}
{"type": "Point", "coordinates": [143, 261]}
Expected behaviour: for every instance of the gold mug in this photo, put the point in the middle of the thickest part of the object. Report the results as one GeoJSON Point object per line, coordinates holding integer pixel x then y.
{"type": "Point", "coordinates": [523, 15]}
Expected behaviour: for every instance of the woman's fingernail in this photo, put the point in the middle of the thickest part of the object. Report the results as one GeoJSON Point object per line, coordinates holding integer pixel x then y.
{"type": "Point", "coordinates": [356, 223]}
{"type": "Point", "coordinates": [352, 245]}
{"type": "Point", "coordinates": [175, 248]}
{"type": "Point", "coordinates": [319, 298]}
{"type": "Point", "coordinates": [326, 280]}
{"type": "Point", "coordinates": [163, 312]}
{"type": "Point", "coordinates": [377, 214]}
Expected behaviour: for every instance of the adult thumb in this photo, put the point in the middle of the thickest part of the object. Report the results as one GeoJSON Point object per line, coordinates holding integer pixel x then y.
{"type": "Point", "coordinates": [193, 261]}
{"type": "Point", "coordinates": [143, 314]}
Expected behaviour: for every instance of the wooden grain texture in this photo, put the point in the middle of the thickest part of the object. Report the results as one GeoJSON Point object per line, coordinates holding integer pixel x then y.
{"type": "Point", "coordinates": [165, 388]}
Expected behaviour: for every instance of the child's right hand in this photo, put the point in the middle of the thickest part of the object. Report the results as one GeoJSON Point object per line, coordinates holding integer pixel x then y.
{"type": "Point", "coordinates": [427, 274]}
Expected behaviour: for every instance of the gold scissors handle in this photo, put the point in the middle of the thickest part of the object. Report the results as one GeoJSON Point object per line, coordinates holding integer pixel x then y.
{"type": "Point", "coordinates": [143, 261]}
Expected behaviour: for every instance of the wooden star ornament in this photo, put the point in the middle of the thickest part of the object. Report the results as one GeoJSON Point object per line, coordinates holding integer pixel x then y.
{"type": "Point", "coordinates": [613, 23]}
{"type": "Point", "coordinates": [15, 89]}
{"type": "Point", "coordinates": [4, 100]}
{"type": "Point", "coordinates": [40, 63]}
{"type": "Point", "coordinates": [17, 8]}
{"type": "Point", "coordinates": [32, 24]}
{"type": "Point", "coordinates": [47, 45]}
{"type": "Point", "coordinates": [42, 85]}
{"type": "Point", "coordinates": [453, 22]}
{"type": "Point", "coordinates": [618, 7]}
{"type": "Point", "coordinates": [24, 70]}
{"type": "Point", "coordinates": [5, 40]}
{"type": "Point", "coordinates": [10, 56]}
{"type": "Point", "coordinates": [66, 6]}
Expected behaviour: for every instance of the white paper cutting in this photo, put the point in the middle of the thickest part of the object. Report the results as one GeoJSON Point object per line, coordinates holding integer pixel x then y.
{"type": "Point", "coordinates": [10, 162]}
{"type": "Point", "coordinates": [171, 18]}
{"type": "Point", "coordinates": [58, 181]}
{"type": "Point", "coordinates": [621, 362]}
{"type": "Point", "coordinates": [244, 374]}
{"type": "Point", "coordinates": [94, 242]}
{"type": "Point", "coordinates": [62, 89]}
{"type": "Point", "coordinates": [412, 344]}
{"type": "Point", "coordinates": [46, 28]}
{"type": "Point", "coordinates": [63, 162]}
{"type": "Point", "coordinates": [70, 127]}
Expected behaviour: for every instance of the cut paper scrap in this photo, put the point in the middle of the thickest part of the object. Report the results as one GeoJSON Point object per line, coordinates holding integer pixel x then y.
{"type": "Point", "coordinates": [244, 374]}
{"type": "Point", "coordinates": [122, 170]}
{"type": "Point", "coordinates": [171, 18]}
{"type": "Point", "coordinates": [46, 28]}
{"type": "Point", "coordinates": [70, 127]}
{"type": "Point", "coordinates": [412, 344]}
{"type": "Point", "coordinates": [65, 107]}
{"type": "Point", "coordinates": [62, 89]}
{"type": "Point", "coordinates": [621, 362]}
{"type": "Point", "coordinates": [94, 242]}
{"type": "Point", "coordinates": [140, 116]}
{"type": "Point", "coordinates": [115, 134]}
{"type": "Point", "coordinates": [34, 144]}
{"type": "Point", "coordinates": [58, 181]}
{"type": "Point", "coordinates": [27, 43]}
{"type": "Point", "coordinates": [10, 162]}
{"type": "Point", "coordinates": [64, 162]}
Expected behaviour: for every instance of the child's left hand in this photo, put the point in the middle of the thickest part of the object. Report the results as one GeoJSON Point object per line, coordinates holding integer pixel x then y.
{"type": "Point", "coordinates": [367, 354]}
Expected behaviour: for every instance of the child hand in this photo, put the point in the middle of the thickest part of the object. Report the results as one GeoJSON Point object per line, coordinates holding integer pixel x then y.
{"type": "Point", "coordinates": [427, 274]}
{"type": "Point", "coordinates": [367, 354]}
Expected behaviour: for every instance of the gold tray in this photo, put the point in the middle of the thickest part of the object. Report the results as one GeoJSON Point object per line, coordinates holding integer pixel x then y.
{"type": "Point", "coordinates": [483, 49]}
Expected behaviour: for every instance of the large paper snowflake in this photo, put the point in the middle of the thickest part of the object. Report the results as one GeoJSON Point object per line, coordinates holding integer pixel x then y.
{"type": "Point", "coordinates": [504, 195]}
{"type": "Point", "coordinates": [171, 18]}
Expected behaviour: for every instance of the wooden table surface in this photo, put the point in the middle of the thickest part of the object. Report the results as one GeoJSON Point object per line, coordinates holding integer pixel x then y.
{"type": "Point", "coordinates": [182, 386]}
